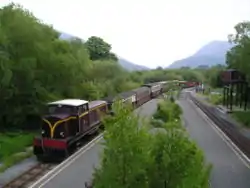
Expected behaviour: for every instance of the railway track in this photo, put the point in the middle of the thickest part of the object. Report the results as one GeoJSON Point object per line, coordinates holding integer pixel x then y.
{"type": "Point", "coordinates": [34, 173]}
{"type": "Point", "coordinates": [29, 176]}
{"type": "Point", "coordinates": [226, 126]}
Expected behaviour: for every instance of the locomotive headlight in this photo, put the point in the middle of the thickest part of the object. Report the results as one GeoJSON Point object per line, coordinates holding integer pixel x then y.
{"type": "Point", "coordinates": [42, 131]}
{"type": "Point", "coordinates": [62, 134]}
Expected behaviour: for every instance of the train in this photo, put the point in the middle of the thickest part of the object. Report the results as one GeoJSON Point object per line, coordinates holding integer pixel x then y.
{"type": "Point", "coordinates": [66, 122]}
{"type": "Point", "coordinates": [188, 84]}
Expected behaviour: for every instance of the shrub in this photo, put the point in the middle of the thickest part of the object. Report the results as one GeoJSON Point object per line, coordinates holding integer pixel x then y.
{"type": "Point", "coordinates": [125, 155]}
{"type": "Point", "coordinates": [133, 157]}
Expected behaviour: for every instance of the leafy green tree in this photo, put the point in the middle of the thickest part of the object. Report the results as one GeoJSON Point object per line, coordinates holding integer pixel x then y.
{"type": "Point", "coordinates": [99, 49]}
{"type": "Point", "coordinates": [125, 156]}
{"type": "Point", "coordinates": [238, 57]}
{"type": "Point", "coordinates": [143, 158]}
{"type": "Point", "coordinates": [177, 161]}
{"type": "Point", "coordinates": [36, 67]}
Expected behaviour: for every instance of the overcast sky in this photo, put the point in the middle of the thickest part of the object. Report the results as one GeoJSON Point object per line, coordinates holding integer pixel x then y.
{"type": "Point", "coordinates": [147, 32]}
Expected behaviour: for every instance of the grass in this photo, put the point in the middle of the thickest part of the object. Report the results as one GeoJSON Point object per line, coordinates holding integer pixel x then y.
{"type": "Point", "coordinates": [14, 148]}
{"type": "Point", "coordinates": [243, 117]}
{"type": "Point", "coordinates": [215, 99]}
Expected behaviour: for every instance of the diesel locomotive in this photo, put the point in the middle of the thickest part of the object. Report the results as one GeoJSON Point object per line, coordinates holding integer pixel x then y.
{"type": "Point", "coordinates": [67, 121]}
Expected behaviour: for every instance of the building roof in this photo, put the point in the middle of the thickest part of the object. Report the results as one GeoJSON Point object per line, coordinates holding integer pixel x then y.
{"type": "Point", "coordinates": [70, 102]}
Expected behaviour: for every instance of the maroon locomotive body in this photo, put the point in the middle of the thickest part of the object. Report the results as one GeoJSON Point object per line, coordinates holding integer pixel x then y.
{"type": "Point", "coordinates": [65, 123]}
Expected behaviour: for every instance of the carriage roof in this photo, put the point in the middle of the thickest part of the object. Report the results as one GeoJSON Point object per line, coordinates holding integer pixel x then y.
{"type": "Point", "coordinates": [96, 103]}
{"type": "Point", "coordinates": [141, 89]}
{"type": "Point", "coordinates": [122, 95]}
{"type": "Point", "coordinates": [70, 102]}
{"type": "Point", "coordinates": [151, 84]}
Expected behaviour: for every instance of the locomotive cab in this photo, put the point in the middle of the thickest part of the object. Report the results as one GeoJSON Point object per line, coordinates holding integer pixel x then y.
{"type": "Point", "coordinates": [58, 117]}
{"type": "Point", "coordinates": [62, 121]}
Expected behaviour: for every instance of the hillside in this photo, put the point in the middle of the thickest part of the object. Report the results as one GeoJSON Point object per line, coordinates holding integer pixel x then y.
{"type": "Point", "coordinates": [211, 54]}
{"type": "Point", "coordinates": [123, 62]}
{"type": "Point", "coordinates": [131, 66]}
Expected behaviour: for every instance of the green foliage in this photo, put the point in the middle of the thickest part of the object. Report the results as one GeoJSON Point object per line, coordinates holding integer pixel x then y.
{"type": "Point", "coordinates": [177, 160]}
{"type": "Point", "coordinates": [99, 49]}
{"type": "Point", "coordinates": [124, 157]}
{"type": "Point", "coordinates": [36, 67]}
{"type": "Point", "coordinates": [168, 111]}
{"type": "Point", "coordinates": [213, 76]}
{"type": "Point", "coordinates": [216, 99]}
{"type": "Point", "coordinates": [238, 57]}
{"type": "Point", "coordinates": [243, 117]}
{"type": "Point", "coordinates": [134, 157]}
{"type": "Point", "coordinates": [11, 144]}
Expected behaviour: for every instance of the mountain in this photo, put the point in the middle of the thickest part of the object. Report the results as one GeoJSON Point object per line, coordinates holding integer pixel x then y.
{"type": "Point", "coordinates": [131, 66]}
{"type": "Point", "coordinates": [123, 62]}
{"type": "Point", "coordinates": [211, 54]}
{"type": "Point", "coordinates": [66, 36]}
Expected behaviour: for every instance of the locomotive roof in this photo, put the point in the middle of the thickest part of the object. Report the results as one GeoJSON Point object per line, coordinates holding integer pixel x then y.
{"type": "Point", "coordinates": [70, 102]}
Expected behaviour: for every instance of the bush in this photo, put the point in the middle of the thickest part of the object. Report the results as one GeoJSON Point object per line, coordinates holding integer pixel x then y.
{"type": "Point", "coordinates": [243, 117]}
{"type": "Point", "coordinates": [216, 99]}
{"type": "Point", "coordinates": [13, 148]}
{"type": "Point", "coordinates": [133, 157]}
{"type": "Point", "coordinates": [167, 111]}
{"type": "Point", "coordinates": [125, 152]}
{"type": "Point", "coordinates": [178, 162]}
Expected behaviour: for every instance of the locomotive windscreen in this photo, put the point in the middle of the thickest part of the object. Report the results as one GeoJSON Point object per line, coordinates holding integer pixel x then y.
{"type": "Point", "coordinates": [61, 109]}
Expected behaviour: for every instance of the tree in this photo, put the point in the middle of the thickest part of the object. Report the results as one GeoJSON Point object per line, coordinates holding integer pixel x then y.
{"type": "Point", "coordinates": [36, 67]}
{"type": "Point", "coordinates": [149, 158]}
{"type": "Point", "coordinates": [99, 49]}
{"type": "Point", "coordinates": [238, 57]}
{"type": "Point", "coordinates": [177, 161]}
{"type": "Point", "coordinates": [128, 147]}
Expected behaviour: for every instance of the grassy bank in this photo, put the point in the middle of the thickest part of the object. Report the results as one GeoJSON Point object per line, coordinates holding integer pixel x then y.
{"type": "Point", "coordinates": [213, 98]}
{"type": "Point", "coordinates": [14, 147]}
{"type": "Point", "coordinates": [243, 117]}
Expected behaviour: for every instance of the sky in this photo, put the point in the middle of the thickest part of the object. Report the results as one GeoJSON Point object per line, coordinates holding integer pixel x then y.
{"type": "Point", "coordinates": [146, 32]}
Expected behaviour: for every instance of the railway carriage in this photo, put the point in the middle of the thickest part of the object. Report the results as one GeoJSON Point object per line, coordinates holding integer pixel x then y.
{"type": "Point", "coordinates": [142, 95]}
{"type": "Point", "coordinates": [128, 97]}
{"type": "Point", "coordinates": [65, 123]}
{"type": "Point", "coordinates": [155, 88]}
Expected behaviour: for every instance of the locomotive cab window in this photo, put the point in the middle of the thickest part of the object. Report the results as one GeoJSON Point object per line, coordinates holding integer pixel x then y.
{"type": "Point", "coordinates": [61, 109]}
{"type": "Point", "coordinates": [82, 109]}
